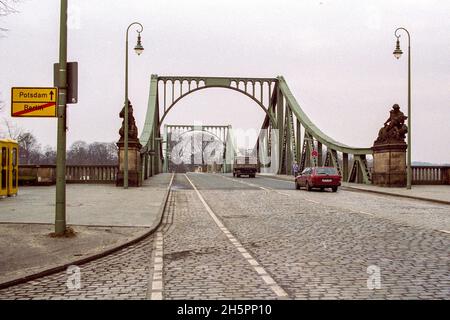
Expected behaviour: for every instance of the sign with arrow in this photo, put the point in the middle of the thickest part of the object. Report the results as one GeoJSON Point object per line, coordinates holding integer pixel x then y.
{"type": "Point", "coordinates": [34, 102]}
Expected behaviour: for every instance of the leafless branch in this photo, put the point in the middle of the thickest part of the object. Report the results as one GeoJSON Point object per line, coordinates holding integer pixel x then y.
{"type": "Point", "coordinates": [10, 130]}
{"type": "Point", "coordinates": [7, 7]}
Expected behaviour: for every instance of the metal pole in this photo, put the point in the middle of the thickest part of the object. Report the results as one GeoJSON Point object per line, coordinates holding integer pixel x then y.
{"type": "Point", "coordinates": [60, 208]}
{"type": "Point", "coordinates": [409, 162]}
{"type": "Point", "coordinates": [166, 138]}
{"type": "Point", "coordinates": [409, 172]}
{"type": "Point", "coordinates": [202, 150]}
{"type": "Point", "coordinates": [125, 154]}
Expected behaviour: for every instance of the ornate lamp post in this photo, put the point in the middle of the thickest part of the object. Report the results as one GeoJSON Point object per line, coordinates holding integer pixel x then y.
{"type": "Point", "coordinates": [139, 49]}
{"type": "Point", "coordinates": [398, 53]}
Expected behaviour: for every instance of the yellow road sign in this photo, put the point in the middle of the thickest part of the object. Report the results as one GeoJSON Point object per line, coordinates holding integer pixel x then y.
{"type": "Point", "coordinates": [34, 102]}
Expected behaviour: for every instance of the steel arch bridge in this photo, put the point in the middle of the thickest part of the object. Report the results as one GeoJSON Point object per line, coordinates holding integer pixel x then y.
{"type": "Point", "coordinates": [218, 139]}
{"type": "Point", "coordinates": [283, 113]}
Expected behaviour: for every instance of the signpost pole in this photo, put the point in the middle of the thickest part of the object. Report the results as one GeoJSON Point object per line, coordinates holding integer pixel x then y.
{"type": "Point", "coordinates": [60, 212]}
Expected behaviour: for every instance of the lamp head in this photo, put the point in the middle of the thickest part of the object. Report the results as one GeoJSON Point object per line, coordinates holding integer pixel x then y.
{"type": "Point", "coordinates": [139, 48]}
{"type": "Point", "coordinates": [398, 52]}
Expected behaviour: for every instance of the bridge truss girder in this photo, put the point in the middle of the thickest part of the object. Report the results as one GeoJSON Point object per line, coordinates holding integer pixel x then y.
{"type": "Point", "coordinates": [221, 133]}
{"type": "Point", "coordinates": [291, 121]}
{"type": "Point", "coordinates": [283, 113]}
{"type": "Point", "coordinates": [166, 92]}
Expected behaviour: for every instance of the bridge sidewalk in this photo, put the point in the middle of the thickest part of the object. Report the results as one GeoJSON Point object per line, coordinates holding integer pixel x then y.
{"type": "Point", "coordinates": [104, 217]}
{"type": "Point", "coordinates": [432, 193]}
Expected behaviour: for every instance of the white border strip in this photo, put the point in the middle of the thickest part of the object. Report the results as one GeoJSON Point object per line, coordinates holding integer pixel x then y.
{"type": "Point", "coordinates": [156, 291]}
{"type": "Point", "coordinates": [157, 282]}
{"type": "Point", "coordinates": [247, 256]}
{"type": "Point", "coordinates": [256, 186]}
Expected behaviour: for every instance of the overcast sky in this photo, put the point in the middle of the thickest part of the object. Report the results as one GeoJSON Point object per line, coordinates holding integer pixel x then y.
{"type": "Point", "coordinates": [335, 55]}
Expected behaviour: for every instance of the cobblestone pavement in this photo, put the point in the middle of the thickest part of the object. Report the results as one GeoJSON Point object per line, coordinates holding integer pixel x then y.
{"type": "Point", "coordinates": [199, 261]}
{"type": "Point", "coordinates": [122, 275]}
{"type": "Point", "coordinates": [315, 251]}
{"type": "Point", "coordinates": [228, 240]}
{"type": "Point", "coordinates": [406, 211]}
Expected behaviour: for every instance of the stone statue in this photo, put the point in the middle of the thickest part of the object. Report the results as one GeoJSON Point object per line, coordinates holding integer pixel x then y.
{"type": "Point", "coordinates": [395, 129]}
{"type": "Point", "coordinates": [132, 129]}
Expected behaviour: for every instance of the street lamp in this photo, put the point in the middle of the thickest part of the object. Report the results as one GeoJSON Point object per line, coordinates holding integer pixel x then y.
{"type": "Point", "coordinates": [398, 53]}
{"type": "Point", "coordinates": [138, 49]}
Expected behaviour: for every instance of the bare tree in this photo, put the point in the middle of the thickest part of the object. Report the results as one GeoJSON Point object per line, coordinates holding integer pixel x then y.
{"type": "Point", "coordinates": [113, 153]}
{"type": "Point", "coordinates": [48, 156]}
{"type": "Point", "coordinates": [81, 152]}
{"type": "Point", "coordinates": [10, 130]}
{"type": "Point", "coordinates": [78, 153]}
{"type": "Point", "coordinates": [29, 149]}
{"type": "Point", "coordinates": [7, 7]}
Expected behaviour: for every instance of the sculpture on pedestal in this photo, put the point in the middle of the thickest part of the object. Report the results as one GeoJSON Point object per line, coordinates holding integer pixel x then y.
{"type": "Point", "coordinates": [132, 129]}
{"type": "Point", "coordinates": [395, 129]}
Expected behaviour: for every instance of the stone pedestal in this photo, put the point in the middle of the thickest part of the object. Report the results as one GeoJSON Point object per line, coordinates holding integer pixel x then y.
{"type": "Point", "coordinates": [134, 164]}
{"type": "Point", "coordinates": [389, 164]}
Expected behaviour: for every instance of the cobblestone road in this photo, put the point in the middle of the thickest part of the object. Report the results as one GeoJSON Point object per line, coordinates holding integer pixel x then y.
{"type": "Point", "coordinates": [317, 251]}
{"type": "Point", "coordinates": [199, 261]}
{"type": "Point", "coordinates": [122, 275]}
{"type": "Point", "coordinates": [406, 211]}
{"type": "Point", "coordinates": [237, 240]}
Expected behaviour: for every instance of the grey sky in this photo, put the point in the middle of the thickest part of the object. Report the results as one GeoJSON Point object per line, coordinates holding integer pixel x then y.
{"type": "Point", "coordinates": [335, 55]}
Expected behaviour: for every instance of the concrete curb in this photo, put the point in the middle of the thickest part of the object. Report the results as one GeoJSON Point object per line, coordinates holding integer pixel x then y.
{"type": "Point", "coordinates": [97, 255]}
{"type": "Point", "coordinates": [355, 189]}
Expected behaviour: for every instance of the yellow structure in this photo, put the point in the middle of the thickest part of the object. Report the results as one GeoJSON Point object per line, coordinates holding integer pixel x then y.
{"type": "Point", "coordinates": [9, 168]}
{"type": "Point", "coordinates": [3, 169]}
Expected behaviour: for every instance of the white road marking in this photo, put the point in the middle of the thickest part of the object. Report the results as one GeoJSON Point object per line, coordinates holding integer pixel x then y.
{"type": "Point", "coordinates": [156, 290]}
{"type": "Point", "coordinates": [269, 188]}
{"type": "Point", "coordinates": [246, 183]}
{"type": "Point", "coordinates": [157, 282]}
{"type": "Point", "coordinates": [256, 186]}
{"type": "Point", "coordinates": [282, 193]}
{"type": "Point", "coordinates": [367, 213]}
{"type": "Point", "coordinates": [245, 254]}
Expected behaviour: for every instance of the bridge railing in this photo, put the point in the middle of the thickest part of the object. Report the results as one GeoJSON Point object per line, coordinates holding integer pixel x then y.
{"type": "Point", "coordinates": [91, 173]}
{"type": "Point", "coordinates": [428, 175]}
{"type": "Point", "coordinates": [46, 174]}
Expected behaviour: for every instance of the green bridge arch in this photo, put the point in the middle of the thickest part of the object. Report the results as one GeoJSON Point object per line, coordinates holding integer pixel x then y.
{"type": "Point", "coordinates": [283, 112]}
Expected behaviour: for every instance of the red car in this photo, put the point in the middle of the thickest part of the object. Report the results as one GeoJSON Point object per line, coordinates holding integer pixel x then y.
{"type": "Point", "coordinates": [318, 177]}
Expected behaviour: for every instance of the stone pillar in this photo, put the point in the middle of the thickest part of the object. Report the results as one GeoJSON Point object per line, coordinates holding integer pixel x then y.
{"type": "Point", "coordinates": [389, 151]}
{"type": "Point", "coordinates": [389, 165]}
{"type": "Point", "coordinates": [134, 164]}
